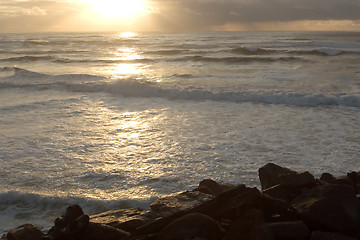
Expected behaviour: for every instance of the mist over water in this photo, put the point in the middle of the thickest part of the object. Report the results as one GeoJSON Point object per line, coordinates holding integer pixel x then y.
{"type": "Point", "coordinates": [113, 120]}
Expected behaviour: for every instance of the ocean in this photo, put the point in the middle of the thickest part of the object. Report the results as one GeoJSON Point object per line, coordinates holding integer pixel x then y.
{"type": "Point", "coordinates": [117, 120]}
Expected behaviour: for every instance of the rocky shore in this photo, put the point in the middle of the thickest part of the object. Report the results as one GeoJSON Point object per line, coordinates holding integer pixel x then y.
{"type": "Point", "coordinates": [290, 206]}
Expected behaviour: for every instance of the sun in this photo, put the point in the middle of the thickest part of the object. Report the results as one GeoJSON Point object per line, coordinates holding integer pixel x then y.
{"type": "Point", "coordinates": [117, 8]}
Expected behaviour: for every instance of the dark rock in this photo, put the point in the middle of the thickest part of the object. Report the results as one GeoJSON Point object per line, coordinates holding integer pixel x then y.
{"type": "Point", "coordinates": [191, 226]}
{"type": "Point", "coordinates": [327, 177]}
{"type": "Point", "coordinates": [96, 231]}
{"type": "Point", "coordinates": [317, 235]}
{"type": "Point", "coordinates": [332, 208]}
{"type": "Point", "coordinates": [228, 205]}
{"type": "Point", "coordinates": [211, 187]}
{"type": "Point", "coordinates": [75, 225]}
{"type": "Point", "coordinates": [297, 180]}
{"type": "Point", "coordinates": [72, 213]}
{"type": "Point", "coordinates": [180, 202]}
{"type": "Point", "coordinates": [249, 227]}
{"type": "Point", "coordinates": [276, 210]}
{"type": "Point", "coordinates": [125, 219]}
{"type": "Point", "coordinates": [289, 230]}
{"type": "Point", "coordinates": [25, 232]}
{"type": "Point", "coordinates": [73, 222]}
{"type": "Point", "coordinates": [282, 192]}
{"type": "Point", "coordinates": [355, 178]}
{"type": "Point", "coordinates": [270, 175]}
{"type": "Point", "coordinates": [344, 180]}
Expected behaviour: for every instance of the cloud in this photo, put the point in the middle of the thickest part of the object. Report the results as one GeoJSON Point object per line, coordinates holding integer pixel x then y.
{"type": "Point", "coordinates": [35, 15]}
{"type": "Point", "coordinates": [202, 14]}
{"type": "Point", "coordinates": [186, 15]}
{"type": "Point", "coordinates": [34, 11]}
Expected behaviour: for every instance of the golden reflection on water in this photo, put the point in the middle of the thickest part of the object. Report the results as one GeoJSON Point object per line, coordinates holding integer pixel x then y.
{"type": "Point", "coordinates": [127, 35]}
{"type": "Point", "coordinates": [124, 70]}
{"type": "Point", "coordinates": [127, 143]}
{"type": "Point", "coordinates": [127, 57]}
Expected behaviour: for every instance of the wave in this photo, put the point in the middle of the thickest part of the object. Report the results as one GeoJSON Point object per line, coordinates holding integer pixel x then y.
{"type": "Point", "coordinates": [104, 61]}
{"type": "Point", "coordinates": [17, 52]}
{"type": "Point", "coordinates": [198, 46]}
{"type": "Point", "coordinates": [325, 52]}
{"type": "Point", "coordinates": [165, 52]}
{"type": "Point", "coordinates": [45, 42]}
{"type": "Point", "coordinates": [319, 52]}
{"type": "Point", "coordinates": [136, 88]}
{"type": "Point", "coordinates": [253, 51]}
{"type": "Point", "coordinates": [54, 59]}
{"type": "Point", "coordinates": [17, 208]}
{"type": "Point", "coordinates": [27, 59]}
{"type": "Point", "coordinates": [235, 60]}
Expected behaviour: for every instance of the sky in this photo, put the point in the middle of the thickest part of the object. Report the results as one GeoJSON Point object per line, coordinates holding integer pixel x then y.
{"type": "Point", "coordinates": [178, 15]}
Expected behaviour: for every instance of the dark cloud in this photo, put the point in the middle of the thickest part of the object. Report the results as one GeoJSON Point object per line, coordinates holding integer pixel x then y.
{"type": "Point", "coordinates": [200, 14]}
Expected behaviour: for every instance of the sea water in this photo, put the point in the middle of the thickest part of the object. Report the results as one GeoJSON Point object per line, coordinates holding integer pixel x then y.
{"type": "Point", "coordinates": [117, 120]}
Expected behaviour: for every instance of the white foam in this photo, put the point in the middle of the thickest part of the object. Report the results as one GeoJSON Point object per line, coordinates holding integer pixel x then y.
{"type": "Point", "coordinates": [134, 88]}
{"type": "Point", "coordinates": [17, 208]}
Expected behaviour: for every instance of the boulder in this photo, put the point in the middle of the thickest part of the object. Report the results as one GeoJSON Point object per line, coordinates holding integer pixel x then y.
{"type": "Point", "coordinates": [192, 226]}
{"type": "Point", "coordinates": [282, 192]}
{"type": "Point", "coordinates": [97, 231]}
{"type": "Point", "coordinates": [328, 178]}
{"type": "Point", "coordinates": [289, 230]}
{"type": "Point", "coordinates": [209, 186]}
{"type": "Point", "coordinates": [344, 180]}
{"type": "Point", "coordinates": [249, 227]}
{"type": "Point", "coordinates": [25, 232]}
{"type": "Point", "coordinates": [180, 202]}
{"type": "Point", "coordinates": [297, 180]}
{"type": "Point", "coordinates": [270, 175]}
{"type": "Point", "coordinates": [227, 205]}
{"type": "Point", "coordinates": [75, 225]}
{"type": "Point", "coordinates": [355, 179]}
{"type": "Point", "coordinates": [330, 208]}
{"type": "Point", "coordinates": [125, 219]}
{"type": "Point", "coordinates": [317, 235]}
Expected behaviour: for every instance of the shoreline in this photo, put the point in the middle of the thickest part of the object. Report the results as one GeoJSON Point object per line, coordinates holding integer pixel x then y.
{"type": "Point", "coordinates": [290, 205]}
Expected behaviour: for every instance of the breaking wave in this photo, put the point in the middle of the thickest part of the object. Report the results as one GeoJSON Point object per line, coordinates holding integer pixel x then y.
{"type": "Point", "coordinates": [42, 210]}
{"type": "Point", "coordinates": [136, 88]}
{"type": "Point", "coordinates": [237, 60]}
{"type": "Point", "coordinates": [133, 88]}
{"type": "Point", "coordinates": [323, 51]}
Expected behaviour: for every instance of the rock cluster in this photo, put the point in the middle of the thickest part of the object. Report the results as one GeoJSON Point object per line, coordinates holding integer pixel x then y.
{"type": "Point", "coordinates": [290, 206]}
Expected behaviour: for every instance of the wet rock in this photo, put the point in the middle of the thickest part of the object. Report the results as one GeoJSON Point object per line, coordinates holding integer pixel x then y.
{"type": "Point", "coordinates": [332, 208]}
{"type": "Point", "coordinates": [317, 235]}
{"type": "Point", "coordinates": [125, 219]}
{"type": "Point", "coordinates": [192, 226]}
{"type": "Point", "coordinates": [25, 232]}
{"type": "Point", "coordinates": [270, 175]}
{"type": "Point", "coordinates": [249, 227]}
{"type": "Point", "coordinates": [180, 202]}
{"type": "Point", "coordinates": [297, 180]}
{"type": "Point", "coordinates": [289, 230]}
{"type": "Point", "coordinates": [209, 186]}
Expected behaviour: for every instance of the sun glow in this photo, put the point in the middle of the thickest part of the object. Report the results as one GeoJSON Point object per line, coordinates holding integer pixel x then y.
{"type": "Point", "coordinates": [117, 8]}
